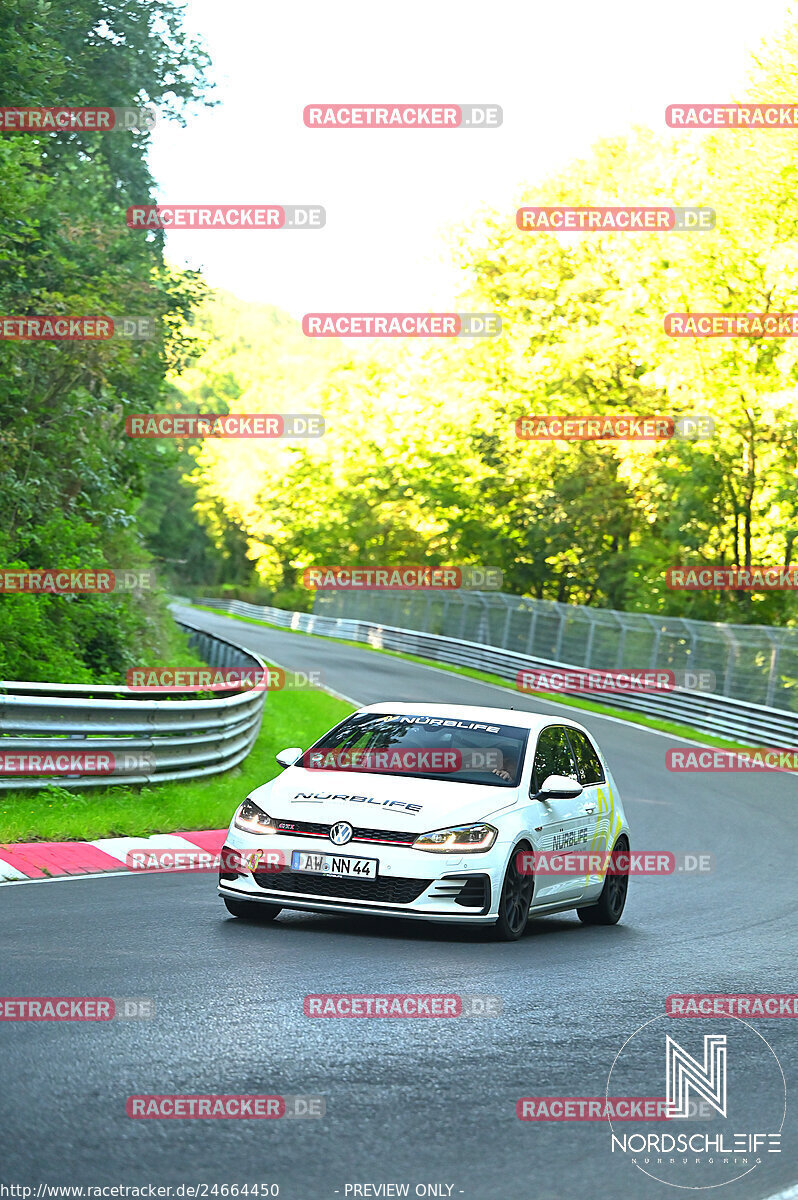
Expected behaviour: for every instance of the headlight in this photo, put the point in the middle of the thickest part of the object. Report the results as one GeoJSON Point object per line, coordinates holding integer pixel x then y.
{"type": "Point", "coordinates": [253, 819]}
{"type": "Point", "coordinates": [468, 839]}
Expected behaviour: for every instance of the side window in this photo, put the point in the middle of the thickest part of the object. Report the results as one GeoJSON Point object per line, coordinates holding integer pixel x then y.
{"type": "Point", "coordinates": [552, 757]}
{"type": "Point", "coordinates": [587, 760]}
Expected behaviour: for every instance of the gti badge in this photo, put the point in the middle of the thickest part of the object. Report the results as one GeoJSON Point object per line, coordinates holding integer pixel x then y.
{"type": "Point", "coordinates": [341, 833]}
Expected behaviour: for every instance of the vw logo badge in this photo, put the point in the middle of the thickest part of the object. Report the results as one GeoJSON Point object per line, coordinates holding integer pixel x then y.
{"type": "Point", "coordinates": [341, 833]}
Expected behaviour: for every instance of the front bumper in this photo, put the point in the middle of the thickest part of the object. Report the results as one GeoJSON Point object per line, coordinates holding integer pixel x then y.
{"type": "Point", "coordinates": [410, 883]}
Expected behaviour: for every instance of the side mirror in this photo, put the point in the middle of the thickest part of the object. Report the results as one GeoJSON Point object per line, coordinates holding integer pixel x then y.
{"type": "Point", "coordinates": [287, 758]}
{"type": "Point", "coordinates": [559, 787]}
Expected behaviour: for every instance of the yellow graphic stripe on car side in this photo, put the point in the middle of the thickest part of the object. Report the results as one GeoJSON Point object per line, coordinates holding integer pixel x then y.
{"type": "Point", "coordinates": [600, 839]}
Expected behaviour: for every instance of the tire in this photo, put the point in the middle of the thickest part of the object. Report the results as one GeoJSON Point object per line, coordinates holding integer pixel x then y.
{"type": "Point", "coordinates": [607, 910]}
{"type": "Point", "coordinates": [514, 901]}
{"type": "Point", "coordinates": [251, 910]}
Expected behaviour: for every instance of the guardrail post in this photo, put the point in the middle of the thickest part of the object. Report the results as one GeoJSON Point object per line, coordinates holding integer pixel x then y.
{"type": "Point", "coordinates": [589, 647]}
{"type": "Point", "coordinates": [530, 638]}
{"type": "Point", "coordinates": [774, 665]}
{"type": "Point", "coordinates": [506, 630]}
{"type": "Point", "coordinates": [560, 632]}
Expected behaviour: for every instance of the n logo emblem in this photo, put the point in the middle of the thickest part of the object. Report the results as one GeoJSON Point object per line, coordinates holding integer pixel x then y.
{"type": "Point", "coordinates": [684, 1073]}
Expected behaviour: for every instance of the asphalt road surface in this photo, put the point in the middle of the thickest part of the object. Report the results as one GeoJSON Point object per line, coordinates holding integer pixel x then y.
{"type": "Point", "coordinates": [408, 1102]}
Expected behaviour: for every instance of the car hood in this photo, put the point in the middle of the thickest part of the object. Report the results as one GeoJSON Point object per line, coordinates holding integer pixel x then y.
{"type": "Point", "coordinates": [374, 801]}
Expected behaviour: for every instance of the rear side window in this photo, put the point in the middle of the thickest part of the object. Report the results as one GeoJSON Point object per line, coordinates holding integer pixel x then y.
{"type": "Point", "coordinates": [587, 760]}
{"type": "Point", "coordinates": [553, 757]}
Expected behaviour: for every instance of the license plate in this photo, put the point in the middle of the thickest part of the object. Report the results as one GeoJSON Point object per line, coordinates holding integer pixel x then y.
{"type": "Point", "coordinates": [334, 864]}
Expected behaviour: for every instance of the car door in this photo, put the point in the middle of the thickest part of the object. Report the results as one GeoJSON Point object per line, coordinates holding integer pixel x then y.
{"type": "Point", "coordinates": [564, 824]}
{"type": "Point", "coordinates": [597, 797]}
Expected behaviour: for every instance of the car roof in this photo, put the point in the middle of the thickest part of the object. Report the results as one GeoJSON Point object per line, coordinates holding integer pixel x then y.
{"type": "Point", "coordinates": [472, 712]}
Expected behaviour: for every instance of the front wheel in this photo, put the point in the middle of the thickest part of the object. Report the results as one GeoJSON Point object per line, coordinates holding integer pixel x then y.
{"type": "Point", "coordinates": [515, 900]}
{"type": "Point", "coordinates": [607, 910]}
{"type": "Point", "coordinates": [251, 910]}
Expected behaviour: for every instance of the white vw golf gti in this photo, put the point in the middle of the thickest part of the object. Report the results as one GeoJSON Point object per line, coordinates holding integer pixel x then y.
{"type": "Point", "coordinates": [439, 812]}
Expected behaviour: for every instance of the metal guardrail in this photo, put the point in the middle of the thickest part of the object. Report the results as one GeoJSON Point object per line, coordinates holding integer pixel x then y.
{"type": "Point", "coordinates": [150, 741]}
{"type": "Point", "coordinates": [754, 663]}
{"type": "Point", "coordinates": [722, 716]}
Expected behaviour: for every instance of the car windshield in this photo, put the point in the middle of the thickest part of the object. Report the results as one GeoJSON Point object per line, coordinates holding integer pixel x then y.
{"type": "Point", "coordinates": [446, 748]}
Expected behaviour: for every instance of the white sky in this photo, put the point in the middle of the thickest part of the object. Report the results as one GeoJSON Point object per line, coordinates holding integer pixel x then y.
{"type": "Point", "coordinates": [565, 74]}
